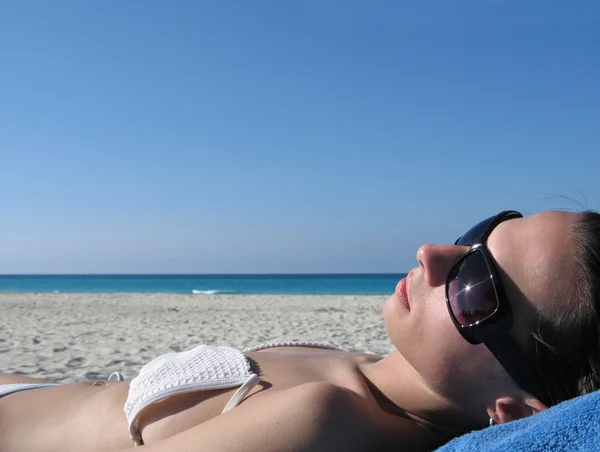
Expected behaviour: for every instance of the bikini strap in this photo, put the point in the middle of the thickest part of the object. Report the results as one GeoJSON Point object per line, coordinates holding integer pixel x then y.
{"type": "Point", "coordinates": [241, 393]}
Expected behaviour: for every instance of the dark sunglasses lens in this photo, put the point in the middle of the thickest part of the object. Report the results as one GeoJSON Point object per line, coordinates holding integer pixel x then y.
{"type": "Point", "coordinates": [471, 292]}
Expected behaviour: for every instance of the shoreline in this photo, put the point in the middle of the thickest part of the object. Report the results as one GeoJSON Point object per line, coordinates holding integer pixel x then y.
{"type": "Point", "coordinates": [67, 337]}
{"type": "Point", "coordinates": [196, 294]}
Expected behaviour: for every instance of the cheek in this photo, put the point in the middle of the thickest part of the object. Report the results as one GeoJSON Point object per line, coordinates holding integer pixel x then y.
{"type": "Point", "coordinates": [437, 350]}
{"type": "Point", "coordinates": [430, 342]}
{"type": "Point", "coordinates": [426, 331]}
{"type": "Point", "coordinates": [442, 349]}
{"type": "Point", "coordinates": [454, 367]}
{"type": "Point", "coordinates": [433, 323]}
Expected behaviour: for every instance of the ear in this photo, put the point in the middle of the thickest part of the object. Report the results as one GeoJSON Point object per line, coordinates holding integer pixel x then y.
{"type": "Point", "coordinates": [535, 405]}
{"type": "Point", "coordinates": [508, 409]}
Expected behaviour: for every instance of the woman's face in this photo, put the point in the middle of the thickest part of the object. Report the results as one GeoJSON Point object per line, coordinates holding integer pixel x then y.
{"type": "Point", "coordinates": [533, 255]}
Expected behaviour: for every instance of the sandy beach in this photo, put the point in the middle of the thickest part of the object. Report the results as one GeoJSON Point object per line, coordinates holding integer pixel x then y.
{"type": "Point", "coordinates": [70, 337]}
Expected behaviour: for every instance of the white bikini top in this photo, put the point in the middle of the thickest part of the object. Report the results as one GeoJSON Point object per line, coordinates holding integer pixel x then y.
{"type": "Point", "coordinates": [202, 368]}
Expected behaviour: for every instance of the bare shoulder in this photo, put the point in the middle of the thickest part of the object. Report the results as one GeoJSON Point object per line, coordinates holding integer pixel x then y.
{"type": "Point", "coordinates": [336, 418]}
{"type": "Point", "coordinates": [345, 420]}
{"type": "Point", "coordinates": [363, 425]}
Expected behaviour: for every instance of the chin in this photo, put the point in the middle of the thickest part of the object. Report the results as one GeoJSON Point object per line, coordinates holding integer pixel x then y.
{"type": "Point", "coordinates": [399, 324]}
{"type": "Point", "coordinates": [388, 308]}
{"type": "Point", "coordinates": [390, 317]}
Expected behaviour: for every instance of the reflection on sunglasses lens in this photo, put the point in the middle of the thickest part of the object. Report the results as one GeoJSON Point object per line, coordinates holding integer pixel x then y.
{"type": "Point", "coordinates": [471, 291]}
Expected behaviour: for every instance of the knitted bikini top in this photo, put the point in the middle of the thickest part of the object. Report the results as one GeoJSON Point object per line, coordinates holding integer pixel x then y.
{"type": "Point", "coordinates": [202, 368]}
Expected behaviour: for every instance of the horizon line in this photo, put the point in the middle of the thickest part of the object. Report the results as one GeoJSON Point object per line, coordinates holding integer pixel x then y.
{"type": "Point", "coordinates": [204, 274]}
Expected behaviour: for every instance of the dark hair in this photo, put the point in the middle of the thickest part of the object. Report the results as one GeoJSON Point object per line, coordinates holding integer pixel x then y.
{"type": "Point", "coordinates": [566, 349]}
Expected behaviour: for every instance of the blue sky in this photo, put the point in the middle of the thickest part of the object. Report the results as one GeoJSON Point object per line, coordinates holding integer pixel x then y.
{"type": "Point", "coordinates": [285, 136]}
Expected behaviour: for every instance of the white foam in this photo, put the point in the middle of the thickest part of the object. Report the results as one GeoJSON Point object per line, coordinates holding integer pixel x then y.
{"type": "Point", "coordinates": [209, 292]}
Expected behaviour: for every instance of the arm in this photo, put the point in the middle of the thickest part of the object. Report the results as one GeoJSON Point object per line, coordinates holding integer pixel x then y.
{"type": "Point", "coordinates": [310, 417]}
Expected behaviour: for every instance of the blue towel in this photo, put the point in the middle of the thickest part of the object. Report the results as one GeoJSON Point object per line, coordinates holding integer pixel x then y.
{"type": "Point", "coordinates": [573, 425]}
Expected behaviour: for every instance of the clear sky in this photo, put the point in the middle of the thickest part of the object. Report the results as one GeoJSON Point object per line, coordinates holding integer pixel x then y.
{"type": "Point", "coordinates": [285, 136]}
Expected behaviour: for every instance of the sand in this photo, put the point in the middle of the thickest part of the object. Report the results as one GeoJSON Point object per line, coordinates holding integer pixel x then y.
{"type": "Point", "coordinates": [71, 337]}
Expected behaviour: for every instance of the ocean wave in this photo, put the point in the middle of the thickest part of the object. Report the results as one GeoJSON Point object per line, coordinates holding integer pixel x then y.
{"type": "Point", "coordinates": [210, 292]}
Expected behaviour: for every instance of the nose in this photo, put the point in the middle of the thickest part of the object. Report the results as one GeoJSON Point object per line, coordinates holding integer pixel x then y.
{"type": "Point", "coordinates": [436, 261]}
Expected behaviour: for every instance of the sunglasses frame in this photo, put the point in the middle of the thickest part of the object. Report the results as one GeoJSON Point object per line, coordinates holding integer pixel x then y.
{"type": "Point", "coordinates": [493, 330]}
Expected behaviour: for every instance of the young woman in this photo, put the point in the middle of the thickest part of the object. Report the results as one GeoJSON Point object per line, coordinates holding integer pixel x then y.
{"type": "Point", "coordinates": [497, 327]}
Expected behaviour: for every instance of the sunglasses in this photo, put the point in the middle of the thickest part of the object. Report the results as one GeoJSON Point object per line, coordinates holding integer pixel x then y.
{"type": "Point", "coordinates": [479, 307]}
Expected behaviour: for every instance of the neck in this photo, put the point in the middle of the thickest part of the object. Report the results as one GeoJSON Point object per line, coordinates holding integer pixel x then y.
{"type": "Point", "coordinates": [399, 389]}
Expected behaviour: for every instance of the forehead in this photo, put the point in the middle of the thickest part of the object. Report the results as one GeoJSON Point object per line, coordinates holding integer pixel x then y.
{"type": "Point", "coordinates": [535, 255]}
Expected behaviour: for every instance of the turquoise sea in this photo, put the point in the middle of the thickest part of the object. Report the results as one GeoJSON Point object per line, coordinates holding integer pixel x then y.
{"type": "Point", "coordinates": [304, 284]}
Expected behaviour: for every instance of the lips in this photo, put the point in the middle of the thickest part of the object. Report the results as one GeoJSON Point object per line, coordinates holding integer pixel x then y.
{"type": "Point", "coordinates": [402, 293]}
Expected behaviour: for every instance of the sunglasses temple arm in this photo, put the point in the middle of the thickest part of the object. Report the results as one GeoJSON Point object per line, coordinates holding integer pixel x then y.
{"type": "Point", "coordinates": [517, 366]}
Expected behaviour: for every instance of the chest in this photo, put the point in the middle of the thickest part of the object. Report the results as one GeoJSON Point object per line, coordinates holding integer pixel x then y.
{"type": "Point", "coordinates": [277, 371]}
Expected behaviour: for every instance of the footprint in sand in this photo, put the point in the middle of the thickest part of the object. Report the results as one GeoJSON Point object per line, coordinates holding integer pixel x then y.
{"type": "Point", "coordinates": [75, 362]}
{"type": "Point", "coordinates": [95, 376]}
